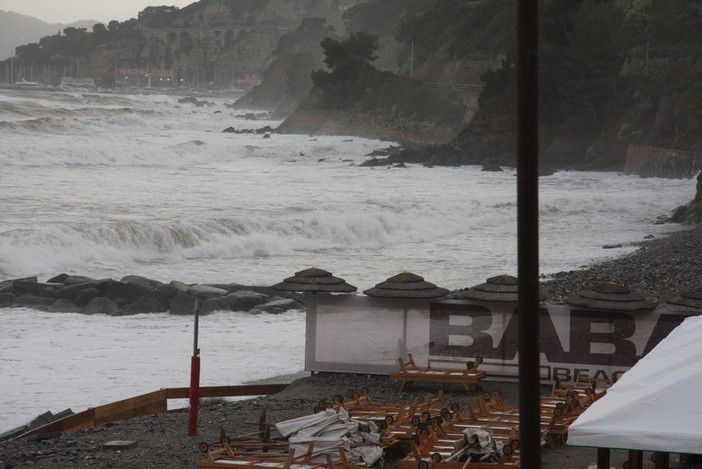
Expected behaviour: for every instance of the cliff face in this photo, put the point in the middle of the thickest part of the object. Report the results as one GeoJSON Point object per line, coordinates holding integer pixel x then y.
{"type": "Point", "coordinates": [691, 213]}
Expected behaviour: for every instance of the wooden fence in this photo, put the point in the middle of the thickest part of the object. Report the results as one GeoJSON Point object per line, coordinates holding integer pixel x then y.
{"type": "Point", "coordinates": [146, 404]}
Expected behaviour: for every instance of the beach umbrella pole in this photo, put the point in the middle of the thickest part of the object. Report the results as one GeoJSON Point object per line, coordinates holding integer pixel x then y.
{"type": "Point", "coordinates": [194, 378]}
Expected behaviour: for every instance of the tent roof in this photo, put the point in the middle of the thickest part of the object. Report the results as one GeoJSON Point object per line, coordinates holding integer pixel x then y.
{"type": "Point", "coordinates": [655, 406]}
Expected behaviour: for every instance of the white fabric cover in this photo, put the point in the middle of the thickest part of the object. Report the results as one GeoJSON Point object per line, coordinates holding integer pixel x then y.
{"type": "Point", "coordinates": [329, 430]}
{"type": "Point", "coordinates": [656, 405]}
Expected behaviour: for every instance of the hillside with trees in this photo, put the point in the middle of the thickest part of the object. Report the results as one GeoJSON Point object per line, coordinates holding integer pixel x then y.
{"type": "Point", "coordinates": [354, 95]}
{"type": "Point", "coordinates": [17, 30]}
{"type": "Point", "coordinates": [210, 44]}
{"type": "Point", "coordinates": [614, 73]}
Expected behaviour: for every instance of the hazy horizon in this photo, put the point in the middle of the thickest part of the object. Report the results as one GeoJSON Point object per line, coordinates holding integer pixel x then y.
{"type": "Point", "coordinates": [69, 11]}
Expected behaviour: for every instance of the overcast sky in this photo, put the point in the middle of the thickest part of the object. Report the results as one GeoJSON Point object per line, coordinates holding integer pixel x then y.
{"type": "Point", "coordinates": [67, 11]}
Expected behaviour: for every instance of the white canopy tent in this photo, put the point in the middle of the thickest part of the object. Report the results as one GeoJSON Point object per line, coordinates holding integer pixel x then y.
{"type": "Point", "coordinates": [656, 405]}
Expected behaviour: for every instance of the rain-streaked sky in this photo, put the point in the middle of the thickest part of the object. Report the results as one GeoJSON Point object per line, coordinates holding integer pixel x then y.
{"type": "Point", "coordinates": [68, 11]}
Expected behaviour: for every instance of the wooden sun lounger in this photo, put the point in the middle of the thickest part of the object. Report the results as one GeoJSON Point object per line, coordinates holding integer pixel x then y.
{"type": "Point", "coordinates": [395, 421]}
{"type": "Point", "coordinates": [591, 388]}
{"type": "Point", "coordinates": [431, 451]}
{"type": "Point", "coordinates": [224, 457]}
{"type": "Point", "coordinates": [468, 378]}
{"type": "Point", "coordinates": [556, 415]}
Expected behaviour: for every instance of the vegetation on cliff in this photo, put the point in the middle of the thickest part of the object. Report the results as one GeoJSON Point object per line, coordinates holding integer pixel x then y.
{"type": "Point", "coordinates": [612, 74]}
{"type": "Point", "coordinates": [353, 86]}
{"type": "Point", "coordinates": [286, 81]}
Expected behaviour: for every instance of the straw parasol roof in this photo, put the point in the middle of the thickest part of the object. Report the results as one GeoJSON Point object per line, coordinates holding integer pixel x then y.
{"type": "Point", "coordinates": [314, 280]}
{"type": "Point", "coordinates": [501, 288]}
{"type": "Point", "coordinates": [690, 299]}
{"type": "Point", "coordinates": [612, 297]}
{"type": "Point", "coordinates": [406, 285]}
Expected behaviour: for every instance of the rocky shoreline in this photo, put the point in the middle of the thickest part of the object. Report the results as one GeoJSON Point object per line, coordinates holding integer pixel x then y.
{"type": "Point", "coordinates": [134, 294]}
{"type": "Point", "coordinates": [659, 269]}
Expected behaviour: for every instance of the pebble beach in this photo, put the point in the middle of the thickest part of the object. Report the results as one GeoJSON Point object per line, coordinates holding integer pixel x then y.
{"type": "Point", "coordinates": [659, 269]}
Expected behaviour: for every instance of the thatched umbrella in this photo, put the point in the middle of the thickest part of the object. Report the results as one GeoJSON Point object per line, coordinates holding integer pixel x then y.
{"type": "Point", "coordinates": [610, 297]}
{"type": "Point", "coordinates": [501, 288]}
{"type": "Point", "coordinates": [690, 299]}
{"type": "Point", "coordinates": [406, 285]}
{"type": "Point", "coordinates": [314, 280]}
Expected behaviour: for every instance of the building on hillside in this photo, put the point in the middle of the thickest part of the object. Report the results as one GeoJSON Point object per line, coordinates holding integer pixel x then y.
{"type": "Point", "coordinates": [246, 83]}
{"type": "Point", "coordinates": [144, 78]}
{"type": "Point", "coordinates": [78, 82]}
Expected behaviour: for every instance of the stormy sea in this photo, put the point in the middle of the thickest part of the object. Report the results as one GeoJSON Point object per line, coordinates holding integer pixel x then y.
{"type": "Point", "coordinates": [108, 185]}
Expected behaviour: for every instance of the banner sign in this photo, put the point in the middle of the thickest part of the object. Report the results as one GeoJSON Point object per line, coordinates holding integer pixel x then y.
{"type": "Point", "coordinates": [367, 335]}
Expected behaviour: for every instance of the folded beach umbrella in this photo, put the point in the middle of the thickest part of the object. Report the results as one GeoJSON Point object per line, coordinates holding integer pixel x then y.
{"type": "Point", "coordinates": [610, 297]}
{"type": "Point", "coordinates": [501, 288]}
{"type": "Point", "coordinates": [314, 280]}
{"type": "Point", "coordinates": [691, 299]}
{"type": "Point", "coordinates": [406, 285]}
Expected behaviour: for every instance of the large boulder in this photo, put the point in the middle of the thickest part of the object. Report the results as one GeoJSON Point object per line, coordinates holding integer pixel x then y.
{"type": "Point", "coordinates": [6, 299]}
{"type": "Point", "coordinates": [206, 291]}
{"type": "Point", "coordinates": [214, 304]}
{"type": "Point", "coordinates": [179, 286]}
{"type": "Point", "coordinates": [60, 278]}
{"type": "Point", "coordinates": [100, 305]}
{"type": "Point", "coordinates": [142, 305]}
{"type": "Point", "coordinates": [276, 306]}
{"type": "Point", "coordinates": [63, 305]}
{"type": "Point", "coordinates": [243, 300]}
{"type": "Point", "coordinates": [9, 285]}
{"type": "Point", "coordinates": [84, 296]}
{"type": "Point", "coordinates": [183, 303]}
{"type": "Point", "coordinates": [74, 279]}
{"type": "Point", "coordinates": [139, 280]}
{"type": "Point", "coordinates": [70, 291]}
{"type": "Point", "coordinates": [129, 293]}
{"type": "Point", "coordinates": [33, 301]}
{"type": "Point", "coordinates": [28, 286]}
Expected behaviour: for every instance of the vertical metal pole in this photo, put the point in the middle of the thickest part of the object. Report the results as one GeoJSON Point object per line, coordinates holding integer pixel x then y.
{"type": "Point", "coordinates": [194, 377]}
{"type": "Point", "coordinates": [603, 456]}
{"type": "Point", "coordinates": [635, 460]}
{"type": "Point", "coordinates": [412, 60]}
{"type": "Point", "coordinates": [528, 232]}
{"type": "Point", "coordinates": [661, 460]}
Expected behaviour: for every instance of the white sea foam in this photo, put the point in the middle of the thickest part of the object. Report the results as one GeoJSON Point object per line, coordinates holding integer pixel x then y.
{"type": "Point", "coordinates": [111, 185]}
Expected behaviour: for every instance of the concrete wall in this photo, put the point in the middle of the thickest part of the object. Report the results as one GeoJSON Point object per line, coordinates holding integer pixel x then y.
{"type": "Point", "coordinates": [661, 162]}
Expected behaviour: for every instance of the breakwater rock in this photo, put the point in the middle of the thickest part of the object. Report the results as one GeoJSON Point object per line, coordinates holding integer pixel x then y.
{"type": "Point", "coordinates": [134, 294]}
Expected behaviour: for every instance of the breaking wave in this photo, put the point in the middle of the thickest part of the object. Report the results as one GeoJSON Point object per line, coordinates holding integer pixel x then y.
{"type": "Point", "coordinates": [49, 249]}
